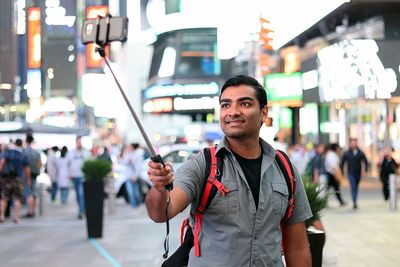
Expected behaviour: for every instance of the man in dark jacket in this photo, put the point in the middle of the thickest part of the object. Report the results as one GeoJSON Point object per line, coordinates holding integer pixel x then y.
{"type": "Point", "coordinates": [354, 158]}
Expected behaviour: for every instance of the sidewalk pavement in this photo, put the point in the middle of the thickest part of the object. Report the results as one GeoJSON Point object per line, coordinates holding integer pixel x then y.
{"type": "Point", "coordinates": [366, 237]}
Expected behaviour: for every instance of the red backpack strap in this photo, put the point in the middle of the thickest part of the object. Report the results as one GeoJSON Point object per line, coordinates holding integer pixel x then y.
{"type": "Point", "coordinates": [287, 169]}
{"type": "Point", "coordinates": [212, 185]}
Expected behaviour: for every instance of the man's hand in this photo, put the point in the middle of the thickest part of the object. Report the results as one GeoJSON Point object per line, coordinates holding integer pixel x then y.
{"type": "Point", "coordinates": [159, 175]}
{"type": "Point", "coordinates": [158, 196]}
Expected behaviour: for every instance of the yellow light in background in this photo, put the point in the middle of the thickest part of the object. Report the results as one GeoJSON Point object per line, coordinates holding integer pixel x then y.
{"type": "Point", "coordinates": [210, 117]}
{"type": "Point", "coordinates": [110, 125]}
{"type": "Point", "coordinates": [157, 137]}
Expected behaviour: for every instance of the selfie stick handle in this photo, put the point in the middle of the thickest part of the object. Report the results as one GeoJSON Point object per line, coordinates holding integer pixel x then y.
{"type": "Point", "coordinates": [154, 156]}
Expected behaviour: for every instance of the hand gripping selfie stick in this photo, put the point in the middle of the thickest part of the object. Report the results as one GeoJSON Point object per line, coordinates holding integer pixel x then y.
{"type": "Point", "coordinates": [154, 156]}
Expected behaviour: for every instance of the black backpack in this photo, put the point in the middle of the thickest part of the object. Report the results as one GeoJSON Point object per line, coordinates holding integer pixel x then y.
{"type": "Point", "coordinates": [214, 172]}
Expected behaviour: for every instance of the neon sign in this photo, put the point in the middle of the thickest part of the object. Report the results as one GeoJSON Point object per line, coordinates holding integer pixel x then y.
{"type": "Point", "coordinates": [56, 14]}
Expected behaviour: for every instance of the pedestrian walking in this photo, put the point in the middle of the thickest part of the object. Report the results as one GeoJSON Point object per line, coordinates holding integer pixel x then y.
{"type": "Point", "coordinates": [35, 163]}
{"type": "Point", "coordinates": [63, 180]}
{"type": "Point", "coordinates": [244, 226]}
{"type": "Point", "coordinates": [332, 167]}
{"type": "Point", "coordinates": [387, 166]}
{"type": "Point", "coordinates": [13, 165]}
{"type": "Point", "coordinates": [132, 160]}
{"type": "Point", "coordinates": [354, 158]}
{"type": "Point", "coordinates": [76, 158]}
{"type": "Point", "coordinates": [52, 171]}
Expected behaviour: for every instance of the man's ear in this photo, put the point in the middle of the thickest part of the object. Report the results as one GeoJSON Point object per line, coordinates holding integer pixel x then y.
{"type": "Point", "coordinates": [264, 113]}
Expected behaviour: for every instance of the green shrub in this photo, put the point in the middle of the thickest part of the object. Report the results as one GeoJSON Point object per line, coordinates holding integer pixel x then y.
{"type": "Point", "coordinates": [96, 169]}
{"type": "Point", "coordinates": [317, 202]}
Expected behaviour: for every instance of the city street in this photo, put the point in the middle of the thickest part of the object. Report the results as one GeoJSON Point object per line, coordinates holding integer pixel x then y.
{"type": "Point", "coordinates": [366, 237]}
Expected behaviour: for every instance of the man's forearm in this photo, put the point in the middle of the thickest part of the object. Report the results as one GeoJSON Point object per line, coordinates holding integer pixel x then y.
{"type": "Point", "coordinates": [156, 204]}
{"type": "Point", "coordinates": [299, 258]}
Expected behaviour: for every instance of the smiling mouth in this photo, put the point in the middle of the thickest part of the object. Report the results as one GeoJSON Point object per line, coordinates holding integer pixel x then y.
{"type": "Point", "coordinates": [237, 122]}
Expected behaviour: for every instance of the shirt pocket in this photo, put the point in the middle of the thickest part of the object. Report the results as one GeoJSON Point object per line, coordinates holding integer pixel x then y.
{"type": "Point", "coordinates": [280, 195]}
{"type": "Point", "coordinates": [228, 204]}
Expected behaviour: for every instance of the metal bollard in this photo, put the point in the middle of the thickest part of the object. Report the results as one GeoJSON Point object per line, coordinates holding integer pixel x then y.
{"type": "Point", "coordinates": [111, 195]}
{"type": "Point", "coordinates": [41, 197]}
{"type": "Point", "coordinates": [392, 192]}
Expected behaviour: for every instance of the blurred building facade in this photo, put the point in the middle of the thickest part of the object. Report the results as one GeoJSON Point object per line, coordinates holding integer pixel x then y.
{"type": "Point", "coordinates": [349, 76]}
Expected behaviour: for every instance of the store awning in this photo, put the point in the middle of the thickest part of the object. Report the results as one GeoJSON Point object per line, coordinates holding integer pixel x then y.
{"type": "Point", "coordinates": [30, 128]}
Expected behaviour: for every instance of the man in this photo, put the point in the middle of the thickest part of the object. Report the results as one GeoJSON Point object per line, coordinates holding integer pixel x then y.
{"type": "Point", "coordinates": [52, 171]}
{"type": "Point", "coordinates": [35, 163]}
{"type": "Point", "coordinates": [354, 158]}
{"type": "Point", "coordinates": [76, 158]}
{"type": "Point", "coordinates": [13, 165]}
{"type": "Point", "coordinates": [133, 160]}
{"type": "Point", "coordinates": [242, 228]}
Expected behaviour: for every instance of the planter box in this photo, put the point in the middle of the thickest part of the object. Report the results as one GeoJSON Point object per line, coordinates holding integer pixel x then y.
{"type": "Point", "coordinates": [94, 202]}
{"type": "Point", "coordinates": [316, 239]}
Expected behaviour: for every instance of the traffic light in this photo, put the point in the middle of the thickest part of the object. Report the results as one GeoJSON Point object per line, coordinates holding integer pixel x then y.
{"type": "Point", "coordinates": [264, 62]}
{"type": "Point", "coordinates": [265, 34]}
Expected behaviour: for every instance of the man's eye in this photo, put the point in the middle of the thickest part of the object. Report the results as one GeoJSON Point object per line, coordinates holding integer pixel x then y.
{"type": "Point", "coordinates": [245, 104]}
{"type": "Point", "coordinates": [224, 105]}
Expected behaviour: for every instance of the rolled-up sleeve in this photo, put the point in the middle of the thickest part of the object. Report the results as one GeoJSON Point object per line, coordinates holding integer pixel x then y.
{"type": "Point", "coordinates": [191, 176]}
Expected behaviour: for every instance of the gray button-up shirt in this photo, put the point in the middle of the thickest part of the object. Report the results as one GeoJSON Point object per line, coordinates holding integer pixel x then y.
{"type": "Point", "coordinates": [234, 232]}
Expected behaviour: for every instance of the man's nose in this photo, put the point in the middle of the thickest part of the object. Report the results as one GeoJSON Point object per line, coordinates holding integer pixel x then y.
{"type": "Point", "coordinates": [234, 110]}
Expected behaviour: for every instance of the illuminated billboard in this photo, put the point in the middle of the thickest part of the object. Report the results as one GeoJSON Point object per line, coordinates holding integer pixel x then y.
{"type": "Point", "coordinates": [284, 89]}
{"type": "Point", "coordinates": [93, 59]}
{"type": "Point", "coordinates": [60, 19]}
{"type": "Point", "coordinates": [352, 69]}
{"type": "Point", "coordinates": [181, 98]}
{"type": "Point", "coordinates": [34, 44]}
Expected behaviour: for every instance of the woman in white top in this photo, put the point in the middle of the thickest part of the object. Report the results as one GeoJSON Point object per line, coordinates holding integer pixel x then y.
{"type": "Point", "coordinates": [63, 175]}
{"type": "Point", "coordinates": [52, 171]}
{"type": "Point", "coordinates": [332, 167]}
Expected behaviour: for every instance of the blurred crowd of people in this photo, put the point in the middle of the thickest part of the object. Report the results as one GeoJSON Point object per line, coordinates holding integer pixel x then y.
{"type": "Point", "coordinates": [329, 164]}
{"type": "Point", "coordinates": [21, 164]}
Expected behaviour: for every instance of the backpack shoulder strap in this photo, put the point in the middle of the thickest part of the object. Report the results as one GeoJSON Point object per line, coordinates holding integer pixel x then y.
{"type": "Point", "coordinates": [287, 169]}
{"type": "Point", "coordinates": [212, 185]}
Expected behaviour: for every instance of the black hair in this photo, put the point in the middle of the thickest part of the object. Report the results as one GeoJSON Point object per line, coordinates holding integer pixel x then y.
{"type": "Point", "coordinates": [261, 94]}
{"type": "Point", "coordinates": [333, 146]}
{"type": "Point", "coordinates": [18, 142]}
{"type": "Point", "coordinates": [29, 139]}
{"type": "Point", "coordinates": [64, 151]}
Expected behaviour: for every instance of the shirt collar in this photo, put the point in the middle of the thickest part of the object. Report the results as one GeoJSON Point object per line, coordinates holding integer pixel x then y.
{"type": "Point", "coordinates": [267, 149]}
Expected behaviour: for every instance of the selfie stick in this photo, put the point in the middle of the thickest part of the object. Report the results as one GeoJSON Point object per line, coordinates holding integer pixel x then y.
{"type": "Point", "coordinates": [154, 156]}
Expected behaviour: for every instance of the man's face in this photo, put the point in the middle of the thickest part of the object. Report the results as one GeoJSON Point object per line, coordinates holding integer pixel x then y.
{"type": "Point", "coordinates": [78, 143]}
{"type": "Point", "coordinates": [240, 114]}
{"type": "Point", "coordinates": [353, 143]}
